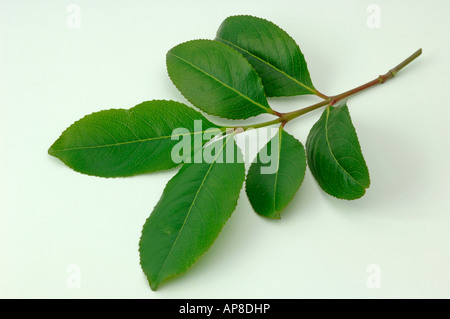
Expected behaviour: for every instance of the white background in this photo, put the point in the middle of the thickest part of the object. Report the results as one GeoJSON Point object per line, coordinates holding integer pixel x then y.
{"type": "Point", "coordinates": [52, 217]}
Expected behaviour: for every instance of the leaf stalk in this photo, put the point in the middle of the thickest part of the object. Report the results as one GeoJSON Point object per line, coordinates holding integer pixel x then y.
{"type": "Point", "coordinates": [331, 100]}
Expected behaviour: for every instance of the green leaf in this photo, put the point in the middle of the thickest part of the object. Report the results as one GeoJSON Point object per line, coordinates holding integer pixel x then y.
{"type": "Point", "coordinates": [274, 178]}
{"type": "Point", "coordinates": [120, 142]}
{"type": "Point", "coordinates": [334, 155]}
{"type": "Point", "coordinates": [193, 208]}
{"type": "Point", "coordinates": [271, 51]}
{"type": "Point", "coordinates": [217, 79]}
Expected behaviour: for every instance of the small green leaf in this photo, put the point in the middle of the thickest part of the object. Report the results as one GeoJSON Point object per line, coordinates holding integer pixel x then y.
{"type": "Point", "coordinates": [120, 142]}
{"type": "Point", "coordinates": [193, 208]}
{"type": "Point", "coordinates": [271, 186]}
{"type": "Point", "coordinates": [217, 79]}
{"type": "Point", "coordinates": [271, 51]}
{"type": "Point", "coordinates": [334, 155]}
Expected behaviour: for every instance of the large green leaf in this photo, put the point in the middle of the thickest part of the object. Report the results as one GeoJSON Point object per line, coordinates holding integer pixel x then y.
{"type": "Point", "coordinates": [193, 208]}
{"type": "Point", "coordinates": [120, 142]}
{"type": "Point", "coordinates": [334, 155]}
{"type": "Point", "coordinates": [271, 51]}
{"type": "Point", "coordinates": [276, 174]}
{"type": "Point", "coordinates": [217, 79]}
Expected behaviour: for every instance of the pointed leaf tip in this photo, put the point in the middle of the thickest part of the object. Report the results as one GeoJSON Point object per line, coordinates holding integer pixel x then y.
{"type": "Point", "coordinates": [193, 208]}
{"type": "Point", "coordinates": [120, 142]}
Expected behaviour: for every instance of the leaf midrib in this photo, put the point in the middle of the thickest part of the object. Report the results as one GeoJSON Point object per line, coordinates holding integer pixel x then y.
{"type": "Point", "coordinates": [270, 65]}
{"type": "Point", "coordinates": [276, 173]}
{"type": "Point", "coordinates": [126, 143]}
{"type": "Point", "coordinates": [266, 109]}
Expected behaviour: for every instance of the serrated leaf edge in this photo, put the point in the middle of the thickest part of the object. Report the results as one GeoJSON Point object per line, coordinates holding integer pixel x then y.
{"type": "Point", "coordinates": [311, 89]}
{"type": "Point", "coordinates": [258, 79]}
{"type": "Point", "coordinates": [154, 286]}
{"type": "Point", "coordinates": [277, 213]}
